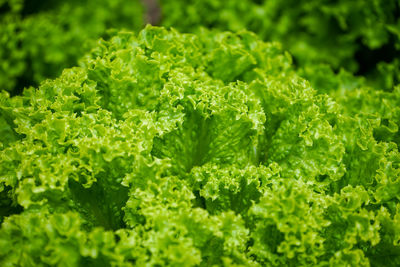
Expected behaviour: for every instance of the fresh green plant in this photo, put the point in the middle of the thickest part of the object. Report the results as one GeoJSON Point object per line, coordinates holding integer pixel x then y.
{"type": "Point", "coordinates": [169, 149]}
{"type": "Point", "coordinates": [38, 39]}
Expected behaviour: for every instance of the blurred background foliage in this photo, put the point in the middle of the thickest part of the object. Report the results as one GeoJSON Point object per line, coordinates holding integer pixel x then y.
{"type": "Point", "coordinates": [38, 39]}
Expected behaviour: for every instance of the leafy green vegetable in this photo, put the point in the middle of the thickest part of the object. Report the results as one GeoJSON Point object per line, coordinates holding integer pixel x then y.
{"type": "Point", "coordinates": [177, 149]}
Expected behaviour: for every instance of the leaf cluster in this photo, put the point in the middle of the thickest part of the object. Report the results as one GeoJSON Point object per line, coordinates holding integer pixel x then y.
{"type": "Point", "coordinates": [177, 149]}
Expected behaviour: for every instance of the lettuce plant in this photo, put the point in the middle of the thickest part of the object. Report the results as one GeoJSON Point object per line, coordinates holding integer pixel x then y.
{"type": "Point", "coordinates": [170, 149]}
